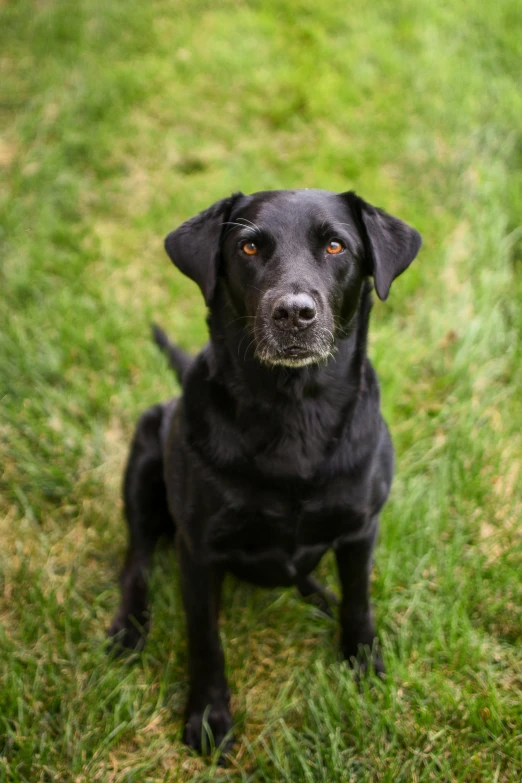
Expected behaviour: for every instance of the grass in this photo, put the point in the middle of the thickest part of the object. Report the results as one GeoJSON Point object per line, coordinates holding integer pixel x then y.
{"type": "Point", "coordinates": [123, 119]}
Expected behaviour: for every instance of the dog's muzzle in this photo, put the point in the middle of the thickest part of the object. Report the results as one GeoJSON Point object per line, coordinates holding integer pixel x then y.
{"type": "Point", "coordinates": [293, 331]}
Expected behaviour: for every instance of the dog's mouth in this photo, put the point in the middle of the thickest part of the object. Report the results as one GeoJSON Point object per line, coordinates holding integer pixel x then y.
{"type": "Point", "coordinates": [293, 355]}
{"type": "Point", "coordinates": [294, 351]}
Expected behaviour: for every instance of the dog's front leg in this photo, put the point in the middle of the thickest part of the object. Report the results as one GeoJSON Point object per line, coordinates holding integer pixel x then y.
{"type": "Point", "coordinates": [209, 693]}
{"type": "Point", "coordinates": [358, 636]}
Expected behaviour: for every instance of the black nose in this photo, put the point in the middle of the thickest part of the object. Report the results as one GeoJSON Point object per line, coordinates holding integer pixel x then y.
{"type": "Point", "coordinates": [294, 311]}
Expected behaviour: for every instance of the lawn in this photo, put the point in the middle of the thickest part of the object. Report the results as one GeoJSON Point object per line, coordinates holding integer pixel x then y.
{"type": "Point", "coordinates": [119, 121]}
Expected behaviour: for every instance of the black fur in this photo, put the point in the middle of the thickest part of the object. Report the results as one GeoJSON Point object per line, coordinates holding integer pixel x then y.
{"type": "Point", "coordinates": [276, 450]}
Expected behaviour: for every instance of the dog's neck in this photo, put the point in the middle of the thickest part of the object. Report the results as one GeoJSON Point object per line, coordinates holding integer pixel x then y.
{"type": "Point", "coordinates": [342, 377]}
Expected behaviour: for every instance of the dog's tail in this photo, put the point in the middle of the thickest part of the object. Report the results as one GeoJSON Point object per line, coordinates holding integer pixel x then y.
{"type": "Point", "coordinates": [179, 360]}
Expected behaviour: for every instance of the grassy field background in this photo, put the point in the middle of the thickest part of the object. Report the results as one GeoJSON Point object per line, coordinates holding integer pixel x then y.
{"type": "Point", "coordinates": [122, 119]}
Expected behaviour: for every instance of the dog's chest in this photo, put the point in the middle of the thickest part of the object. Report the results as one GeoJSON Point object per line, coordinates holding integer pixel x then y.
{"type": "Point", "coordinates": [272, 537]}
{"type": "Point", "coordinates": [296, 438]}
{"type": "Point", "coordinates": [290, 443]}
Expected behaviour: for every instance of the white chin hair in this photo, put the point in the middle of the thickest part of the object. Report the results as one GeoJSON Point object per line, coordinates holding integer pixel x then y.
{"type": "Point", "coordinates": [288, 361]}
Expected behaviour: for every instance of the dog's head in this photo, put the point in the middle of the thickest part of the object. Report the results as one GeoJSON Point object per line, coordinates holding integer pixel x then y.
{"type": "Point", "coordinates": [292, 263]}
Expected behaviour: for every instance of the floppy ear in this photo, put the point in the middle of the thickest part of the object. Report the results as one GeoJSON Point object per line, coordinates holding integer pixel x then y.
{"type": "Point", "coordinates": [390, 245]}
{"type": "Point", "coordinates": [195, 246]}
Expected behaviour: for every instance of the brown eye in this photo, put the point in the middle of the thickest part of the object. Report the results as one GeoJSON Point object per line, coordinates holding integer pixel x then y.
{"type": "Point", "coordinates": [249, 248]}
{"type": "Point", "coordinates": [334, 246]}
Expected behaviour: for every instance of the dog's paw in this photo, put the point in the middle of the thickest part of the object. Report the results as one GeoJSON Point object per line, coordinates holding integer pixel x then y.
{"type": "Point", "coordinates": [314, 593]}
{"type": "Point", "coordinates": [367, 663]}
{"type": "Point", "coordinates": [364, 659]}
{"type": "Point", "coordinates": [209, 729]}
{"type": "Point", "coordinates": [125, 633]}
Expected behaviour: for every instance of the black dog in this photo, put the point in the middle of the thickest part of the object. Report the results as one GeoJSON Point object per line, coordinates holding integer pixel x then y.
{"type": "Point", "coordinates": [276, 450]}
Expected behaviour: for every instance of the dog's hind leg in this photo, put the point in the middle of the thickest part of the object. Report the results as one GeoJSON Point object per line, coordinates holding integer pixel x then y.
{"type": "Point", "coordinates": [320, 596]}
{"type": "Point", "coordinates": [148, 518]}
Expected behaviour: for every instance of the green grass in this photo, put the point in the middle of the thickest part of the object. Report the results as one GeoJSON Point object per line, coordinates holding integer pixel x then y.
{"type": "Point", "coordinates": [123, 119]}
